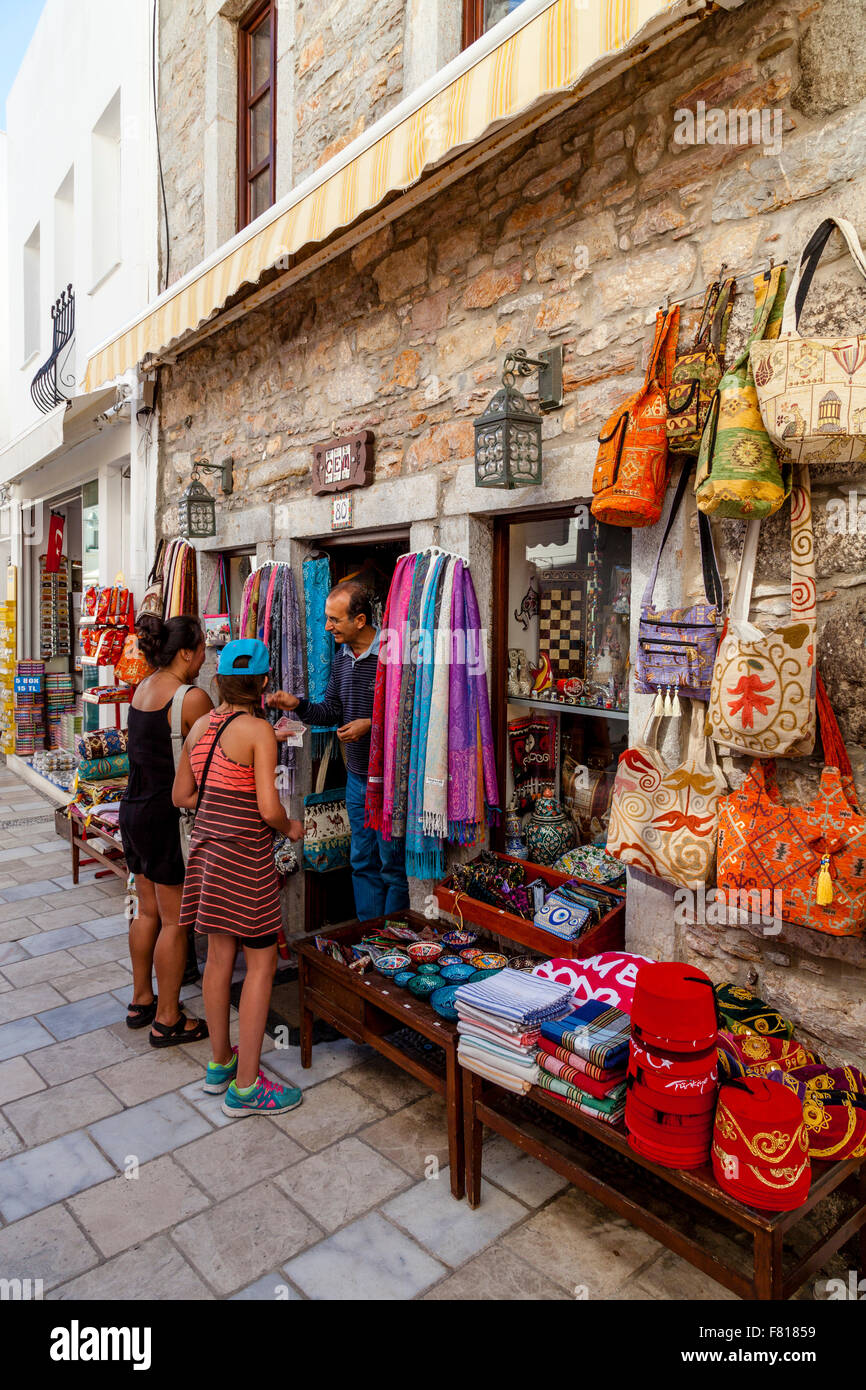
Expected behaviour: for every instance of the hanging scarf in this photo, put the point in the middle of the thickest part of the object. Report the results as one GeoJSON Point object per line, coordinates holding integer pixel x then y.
{"type": "Point", "coordinates": [264, 588]}
{"type": "Point", "coordinates": [424, 853]}
{"type": "Point", "coordinates": [436, 765]}
{"type": "Point", "coordinates": [470, 733]}
{"type": "Point", "coordinates": [251, 603]}
{"type": "Point", "coordinates": [320, 643]}
{"type": "Point", "coordinates": [390, 656]}
{"type": "Point", "coordinates": [395, 827]}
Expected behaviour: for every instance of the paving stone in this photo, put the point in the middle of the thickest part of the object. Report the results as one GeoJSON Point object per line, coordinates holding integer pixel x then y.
{"type": "Point", "coordinates": [10, 1143]}
{"type": "Point", "coordinates": [82, 1017]}
{"type": "Point", "coordinates": [101, 952]}
{"type": "Point", "coordinates": [328, 1112]}
{"type": "Point", "coordinates": [17, 1079]}
{"type": "Point", "coordinates": [524, 1177]}
{"type": "Point", "coordinates": [413, 1136]}
{"type": "Point", "coordinates": [672, 1278]}
{"type": "Point", "coordinates": [148, 1130]}
{"type": "Point", "coordinates": [383, 1082]}
{"type": "Point", "coordinates": [239, 1156]}
{"type": "Point", "coordinates": [24, 1035]}
{"type": "Point", "coordinates": [39, 888]}
{"type": "Point", "coordinates": [37, 970]}
{"type": "Point", "coordinates": [12, 911]}
{"type": "Point", "coordinates": [496, 1275]}
{"type": "Point", "coordinates": [126, 1210]}
{"type": "Point", "coordinates": [33, 999]}
{"type": "Point", "coordinates": [208, 1105]}
{"type": "Point", "coordinates": [578, 1243]}
{"type": "Point", "coordinates": [79, 1056]}
{"type": "Point", "coordinates": [10, 951]}
{"type": "Point", "coordinates": [432, 1216]}
{"type": "Point", "coordinates": [39, 1177]}
{"type": "Point", "coordinates": [141, 1078]}
{"type": "Point", "coordinates": [153, 1269]}
{"type": "Point", "coordinates": [55, 935]}
{"type": "Point", "coordinates": [235, 1242]}
{"type": "Point", "coordinates": [329, 1059]}
{"type": "Point", "coordinates": [271, 1288]}
{"type": "Point", "coordinates": [98, 979]}
{"type": "Point", "coordinates": [61, 1109]}
{"type": "Point", "coordinates": [47, 1246]}
{"type": "Point", "coordinates": [16, 928]}
{"type": "Point", "coordinates": [340, 1183]}
{"type": "Point", "coordinates": [369, 1260]}
{"type": "Point", "coordinates": [103, 927]}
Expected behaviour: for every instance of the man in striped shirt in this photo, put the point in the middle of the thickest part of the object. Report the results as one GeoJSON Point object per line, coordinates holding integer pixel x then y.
{"type": "Point", "coordinates": [378, 866]}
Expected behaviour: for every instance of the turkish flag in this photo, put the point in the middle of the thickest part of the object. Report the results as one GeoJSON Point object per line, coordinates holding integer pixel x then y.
{"type": "Point", "coordinates": [55, 543]}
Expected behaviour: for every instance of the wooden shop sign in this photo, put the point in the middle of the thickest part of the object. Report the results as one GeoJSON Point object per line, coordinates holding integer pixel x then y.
{"type": "Point", "coordinates": [342, 463]}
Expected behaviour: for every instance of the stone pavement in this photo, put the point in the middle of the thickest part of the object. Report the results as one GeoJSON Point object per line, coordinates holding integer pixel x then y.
{"type": "Point", "coordinates": [119, 1177]}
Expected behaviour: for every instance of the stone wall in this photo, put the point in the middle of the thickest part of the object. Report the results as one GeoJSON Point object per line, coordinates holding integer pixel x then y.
{"type": "Point", "coordinates": [182, 69]}
{"type": "Point", "coordinates": [573, 237]}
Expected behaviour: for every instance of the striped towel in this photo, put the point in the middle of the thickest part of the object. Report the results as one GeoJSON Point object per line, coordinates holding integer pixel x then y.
{"type": "Point", "coordinates": [579, 1064]}
{"type": "Point", "coordinates": [611, 1112]}
{"type": "Point", "coordinates": [613, 1089]}
{"type": "Point", "coordinates": [596, 1031]}
{"type": "Point", "coordinates": [515, 995]}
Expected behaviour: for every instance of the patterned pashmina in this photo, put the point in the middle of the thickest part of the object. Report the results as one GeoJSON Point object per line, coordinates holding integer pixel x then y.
{"type": "Point", "coordinates": [469, 726]}
{"type": "Point", "coordinates": [425, 856]}
{"type": "Point", "coordinates": [436, 762]}
{"type": "Point", "coordinates": [595, 1031]}
{"type": "Point", "coordinates": [601, 1090]}
{"type": "Point", "coordinates": [390, 657]}
{"type": "Point", "coordinates": [577, 1064]}
{"type": "Point", "coordinates": [320, 643]}
{"type": "Point", "coordinates": [394, 827]}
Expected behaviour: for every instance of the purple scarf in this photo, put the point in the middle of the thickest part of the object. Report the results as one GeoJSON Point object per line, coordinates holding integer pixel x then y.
{"type": "Point", "coordinates": [468, 719]}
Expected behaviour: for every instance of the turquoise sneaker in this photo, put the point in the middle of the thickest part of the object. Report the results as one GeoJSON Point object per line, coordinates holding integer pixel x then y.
{"type": "Point", "coordinates": [264, 1098]}
{"type": "Point", "coordinates": [217, 1079]}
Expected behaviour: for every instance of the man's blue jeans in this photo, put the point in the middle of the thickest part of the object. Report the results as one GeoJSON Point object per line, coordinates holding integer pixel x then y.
{"type": "Point", "coordinates": [378, 865]}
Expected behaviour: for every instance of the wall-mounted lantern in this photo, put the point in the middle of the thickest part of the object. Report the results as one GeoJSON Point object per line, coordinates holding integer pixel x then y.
{"type": "Point", "coordinates": [508, 434]}
{"type": "Point", "coordinates": [196, 510]}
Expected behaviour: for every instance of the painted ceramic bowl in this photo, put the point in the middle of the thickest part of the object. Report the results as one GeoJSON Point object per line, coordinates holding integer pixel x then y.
{"type": "Point", "coordinates": [390, 964]}
{"type": "Point", "coordinates": [456, 974]}
{"type": "Point", "coordinates": [422, 986]}
{"type": "Point", "coordinates": [428, 967]}
{"type": "Point", "coordinates": [481, 975]}
{"type": "Point", "coordinates": [448, 960]}
{"type": "Point", "coordinates": [470, 953]}
{"type": "Point", "coordinates": [403, 977]}
{"type": "Point", "coordinates": [458, 939]}
{"type": "Point", "coordinates": [523, 963]}
{"type": "Point", "coordinates": [489, 960]}
{"type": "Point", "coordinates": [442, 1000]}
{"type": "Point", "coordinates": [424, 951]}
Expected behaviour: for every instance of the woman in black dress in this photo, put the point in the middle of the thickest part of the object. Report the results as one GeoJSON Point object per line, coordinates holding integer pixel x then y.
{"type": "Point", "coordinates": [150, 824]}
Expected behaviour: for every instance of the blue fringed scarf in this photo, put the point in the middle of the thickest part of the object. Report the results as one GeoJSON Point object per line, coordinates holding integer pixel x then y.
{"type": "Point", "coordinates": [425, 857]}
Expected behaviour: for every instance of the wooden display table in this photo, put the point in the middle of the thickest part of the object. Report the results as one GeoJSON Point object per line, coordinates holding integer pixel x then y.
{"type": "Point", "coordinates": [367, 1007]}
{"type": "Point", "coordinates": [101, 846]}
{"type": "Point", "coordinates": [597, 1158]}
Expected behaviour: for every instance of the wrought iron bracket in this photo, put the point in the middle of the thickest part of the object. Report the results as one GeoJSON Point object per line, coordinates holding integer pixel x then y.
{"type": "Point", "coordinates": [549, 367]}
{"type": "Point", "coordinates": [225, 470]}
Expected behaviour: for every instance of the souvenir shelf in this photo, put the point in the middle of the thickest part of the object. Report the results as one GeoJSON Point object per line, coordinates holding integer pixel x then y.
{"type": "Point", "coordinates": [8, 649]}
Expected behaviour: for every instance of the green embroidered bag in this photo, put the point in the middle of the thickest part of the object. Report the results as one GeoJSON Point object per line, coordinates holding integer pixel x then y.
{"type": "Point", "coordinates": [697, 373]}
{"type": "Point", "coordinates": [739, 473]}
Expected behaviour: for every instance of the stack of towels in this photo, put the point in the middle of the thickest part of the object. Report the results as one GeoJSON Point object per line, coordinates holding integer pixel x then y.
{"type": "Point", "coordinates": [583, 1057]}
{"type": "Point", "coordinates": [498, 1021]}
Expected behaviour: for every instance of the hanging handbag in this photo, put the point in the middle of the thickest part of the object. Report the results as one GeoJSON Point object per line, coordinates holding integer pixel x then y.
{"type": "Point", "coordinates": [154, 597]}
{"type": "Point", "coordinates": [676, 647]}
{"type": "Point", "coordinates": [630, 475]}
{"type": "Point", "coordinates": [132, 666]}
{"type": "Point", "coordinates": [697, 373]}
{"type": "Point", "coordinates": [663, 820]}
{"type": "Point", "coordinates": [763, 695]}
{"type": "Point", "coordinates": [327, 833]}
{"type": "Point", "coordinates": [813, 856]}
{"type": "Point", "coordinates": [738, 472]}
{"type": "Point", "coordinates": [812, 391]}
{"type": "Point", "coordinates": [218, 626]}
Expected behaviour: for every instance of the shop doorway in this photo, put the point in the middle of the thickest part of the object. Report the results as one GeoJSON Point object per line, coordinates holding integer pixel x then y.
{"type": "Point", "coordinates": [328, 898]}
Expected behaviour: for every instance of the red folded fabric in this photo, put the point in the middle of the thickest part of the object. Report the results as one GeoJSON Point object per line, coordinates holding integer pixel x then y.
{"type": "Point", "coordinates": [571, 1059]}
{"type": "Point", "coordinates": [554, 1066]}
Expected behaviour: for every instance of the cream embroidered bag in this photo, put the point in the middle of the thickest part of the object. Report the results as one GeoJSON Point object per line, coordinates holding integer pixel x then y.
{"type": "Point", "coordinates": [812, 391]}
{"type": "Point", "coordinates": [664, 820]}
{"type": "Point", "coordinates": [762, 699]}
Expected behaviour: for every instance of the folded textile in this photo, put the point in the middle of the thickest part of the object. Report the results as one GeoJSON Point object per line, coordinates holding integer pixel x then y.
{"type": "Point", "coordinates": [521, 1063]}
{"type": "Point", "coordinates": [493, 1073]}
{"type": "Point", "coordinates": [101, 743]}
{"type": "Point", "coordinates": [598, 1110]}
{"type": "Point", "coordinates": [474, 1028]}
{"type": "Point", "coordinates": [595, 1031]}
{"type": "Point", "coordinates": [579, 1064]}
{"type": "Point", "coordinates": [502, 1025]}
{"type": "Point", "coordinates": [515, 995]}
{"type": "Point", "coordinates": [601, 1090]}
{"type": "Point", "coordinates": [97, 769]}
{"type": "Point", "coordinates": [611, 976]}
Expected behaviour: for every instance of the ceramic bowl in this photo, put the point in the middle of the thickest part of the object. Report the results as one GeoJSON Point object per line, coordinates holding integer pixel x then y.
{"type": "Point", "coordinates": [458, 939]}
{"type": "Point", "coordinates": [489, 960]}
{"type": "Point", "coordinates": [391, 963]}
{"type": "Point", "coordinates": [428, 967]}
{"type": "Point", "coordinates": [481, 975]}
{"type": "Point", "coordinates": [470, 953]}
{"type": "Point", "coordinates": [442, 1000]}
{"type": "Point", "coordinates": [523, 963]}
{"type": "Point", "coordinates": [448, 960]}
{"type": "Point", "coordinates": [457, 973]}
{"type": "Point", "coordinates": [403, 977]}
{"type": "Point", "coordinates": [424, 951]}
{"type": "Point", "coordinates": [422, 986]}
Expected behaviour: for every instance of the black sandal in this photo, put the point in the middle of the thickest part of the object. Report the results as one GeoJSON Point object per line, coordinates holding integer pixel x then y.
{"type": "Point", "coordinates": [145, 1014]}
{"type": "Point", "coordinates": [171, 1034]}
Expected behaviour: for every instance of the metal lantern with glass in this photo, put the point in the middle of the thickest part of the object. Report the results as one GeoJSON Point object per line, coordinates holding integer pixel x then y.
{"type": "Point", "coordinates": [508, 434]}
{"type": "Point", "coordinates": [196, 510]}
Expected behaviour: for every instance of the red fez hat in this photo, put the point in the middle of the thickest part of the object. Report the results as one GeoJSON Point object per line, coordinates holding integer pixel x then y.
{"type": "Point", "coordinates": [761, 1122]}
{"type": "Point", "coordinates": [769, 1188]}
{"type": "Point", "coordinates": [676, 1064]}
{"type": "Point", "coordinates": [674, 1007]}
{"type": "Point", "coordinates": [663, 1121]}
{"type": "Point", "coordinates": [671, 1102]}
{"type": "Point", "coordinates": [667, 1157]}
{"type": "Point", "coordinates": [693, 1086]}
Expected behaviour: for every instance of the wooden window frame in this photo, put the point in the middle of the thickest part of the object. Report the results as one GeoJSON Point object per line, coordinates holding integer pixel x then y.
{"type": "Point", "coordinates": [473, 21]}
{"type": "Point", "coordinates": [247, 99]}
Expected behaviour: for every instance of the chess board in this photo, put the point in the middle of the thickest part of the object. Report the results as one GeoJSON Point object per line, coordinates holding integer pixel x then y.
{"type": "Point", "coordinates": [562, 623]}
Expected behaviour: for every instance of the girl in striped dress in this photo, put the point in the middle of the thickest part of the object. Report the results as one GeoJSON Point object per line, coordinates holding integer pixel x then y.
{"type": "Point", "coordinates": [231, 891]}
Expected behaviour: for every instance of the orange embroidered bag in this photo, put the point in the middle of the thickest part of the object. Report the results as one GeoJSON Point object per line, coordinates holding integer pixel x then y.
{"type": "Point", "coordinates": [630, 477]}
{"type": "Point", "coordinates": [813, 856]}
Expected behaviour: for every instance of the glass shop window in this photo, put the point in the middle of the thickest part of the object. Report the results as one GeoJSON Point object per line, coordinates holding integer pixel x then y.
{"type": "Point", "coordinates": [481, 15]}
{"type": "Point", "coordinates": [567, 669]}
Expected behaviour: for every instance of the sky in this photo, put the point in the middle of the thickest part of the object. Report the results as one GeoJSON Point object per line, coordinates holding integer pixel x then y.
{"type": "Point", "coordinates": [18, 20]}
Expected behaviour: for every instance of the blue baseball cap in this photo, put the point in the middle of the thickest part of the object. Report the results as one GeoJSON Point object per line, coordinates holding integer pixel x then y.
{"type": "Point", "coordinates": [259, 660]}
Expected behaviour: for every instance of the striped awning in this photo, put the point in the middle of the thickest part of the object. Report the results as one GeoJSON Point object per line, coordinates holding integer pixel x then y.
{"type": "Point", "coordinates": [550, 48]}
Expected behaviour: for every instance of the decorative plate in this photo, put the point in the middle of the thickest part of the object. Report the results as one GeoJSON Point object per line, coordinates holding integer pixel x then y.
{"type": "Point", "coordinates": [488, 960]}
{"type": "Point", "coordinates": [390, 964]}
{"type": "Point", "coordinates": [470, 954]}
{"type": "Point", "coordinates": [457, 973]}
{"type": "Point", "coordinates": [442, 1000]}
{"type": "Point", "coordinates": [422, 986]}
{"type": "Point", "coordinates": [458, 939]}
{"type": "Point", "coordinates": [403, 977]}
{"type": "Point", "coordinates": [427, 951]}
{"type": "Point", "coordinates": [428, 967]}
